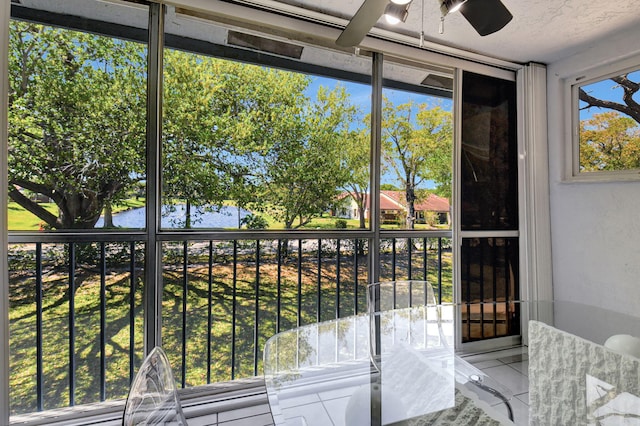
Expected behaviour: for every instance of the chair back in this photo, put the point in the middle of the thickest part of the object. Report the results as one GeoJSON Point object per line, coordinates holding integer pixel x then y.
{"type": "Point", "coordinates": [153, 397]}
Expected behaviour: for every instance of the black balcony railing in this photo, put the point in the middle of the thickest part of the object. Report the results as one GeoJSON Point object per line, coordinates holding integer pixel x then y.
{"type": "Point", "coordinates": [77, 317]}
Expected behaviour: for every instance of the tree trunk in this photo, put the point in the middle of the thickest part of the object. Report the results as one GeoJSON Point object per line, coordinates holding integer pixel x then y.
{"type": "Point", "coordinates": [108, 215]}
{"type": "Point", "coordinates": [187, 222]}
{"type": "Point", "coordinates": [411, 212]}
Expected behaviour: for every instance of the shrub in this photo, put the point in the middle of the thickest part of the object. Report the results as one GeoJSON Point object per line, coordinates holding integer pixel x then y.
{"type": "Point", "coordinates": [341, 224]}
{"type": "Point", "coordinates": [252, 221]}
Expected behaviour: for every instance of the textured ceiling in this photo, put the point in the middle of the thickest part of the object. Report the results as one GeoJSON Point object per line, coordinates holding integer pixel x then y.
{"type": "Point", "coordinates": [541, 30]}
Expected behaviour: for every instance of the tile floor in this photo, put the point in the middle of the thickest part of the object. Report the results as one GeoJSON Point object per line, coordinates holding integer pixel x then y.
{"type": "Point", "coordinates": [509, 368]}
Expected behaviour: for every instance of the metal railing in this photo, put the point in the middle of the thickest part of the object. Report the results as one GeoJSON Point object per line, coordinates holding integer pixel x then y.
{"type": "Point", "coordinates": [77, 312]}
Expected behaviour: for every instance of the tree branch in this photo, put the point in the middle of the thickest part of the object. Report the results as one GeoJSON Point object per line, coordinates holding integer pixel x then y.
{"type": "Point", "coordinates": [33, 207]}
{"type": "Point", "coordinates": [601, 103]}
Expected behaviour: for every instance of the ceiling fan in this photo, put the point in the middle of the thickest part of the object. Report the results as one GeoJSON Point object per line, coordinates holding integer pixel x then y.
{"type": "Point", "coordinates": [485, 16]}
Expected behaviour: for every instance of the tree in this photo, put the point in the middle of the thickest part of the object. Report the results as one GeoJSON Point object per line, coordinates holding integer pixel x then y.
{"type": "Point", "coordinates": [417, 143]}
{"type": "Point", "coordinates": [220, 120]}
{"type": "Point", "coordinates": [356, 161]}
{"type": "Point", "coordinates": [609, 141]}
{"type": "Point", "coordinates": [76, 121]}
{"type": "Point", "coordinates": [304, 168]}
{"type": "Point", "coordinates": [630, 107]}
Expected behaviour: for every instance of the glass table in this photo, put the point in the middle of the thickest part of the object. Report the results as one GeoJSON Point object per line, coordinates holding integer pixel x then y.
{"type": "Point", "coordinates": [396, 365]}
{"type": "Point", "coordinates": [393, 364]}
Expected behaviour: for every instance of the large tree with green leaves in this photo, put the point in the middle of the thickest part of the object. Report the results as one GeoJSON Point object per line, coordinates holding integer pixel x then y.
{"type": "Point", "coordinates": [222, 119]}
{"type": "Point", "coordinates": [304, 169]}
{"type": "Point", "coordinates": [609, 141]}
{"type": "Point", "coordinates": [231, 131]}
{"type": "Point", "coordinates": [76, 121]}
{"type": "Point", "coordinates": [356, 160]}
{"type": "Point", "coordinates": [417, 143]}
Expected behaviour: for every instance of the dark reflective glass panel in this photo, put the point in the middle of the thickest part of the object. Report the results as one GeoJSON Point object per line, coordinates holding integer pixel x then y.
{"type": "Point", "coordinates": [489, 154]}
{"type": "Point", "coordinates": [489, 285]}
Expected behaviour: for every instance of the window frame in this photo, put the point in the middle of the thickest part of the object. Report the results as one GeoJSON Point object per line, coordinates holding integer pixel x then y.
{"type": "Point", "coordinates": [572, 85]}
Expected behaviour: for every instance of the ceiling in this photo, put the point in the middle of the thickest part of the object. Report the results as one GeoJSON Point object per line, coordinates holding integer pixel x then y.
{"type": "Point", "coordinates": [541, 30]}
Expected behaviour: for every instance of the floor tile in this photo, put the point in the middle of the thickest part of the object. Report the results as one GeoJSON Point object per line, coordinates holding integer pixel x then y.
{"type": "Point", "coordinates": [513, 358]}
{"type": "Point", "coordinates": [524, 397]}
{"type": "Point", "coordinates": [481, 365]}
{"type": "Point", "coordinates": [336, 409]}
{"type": "Point", "coordinates": [510, 378]}
{"type": "Point", "coordinates": [521, 367]}
{"type": "Point", "coordinates": [313, 414]}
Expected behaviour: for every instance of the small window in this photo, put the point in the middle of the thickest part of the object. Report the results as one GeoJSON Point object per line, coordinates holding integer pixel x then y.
{"type": "Point", "coordinates": [608, 126]}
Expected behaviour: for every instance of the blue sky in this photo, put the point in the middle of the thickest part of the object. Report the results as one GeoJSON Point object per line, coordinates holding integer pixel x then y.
{"type": "Point", "coordinates": [608, 90]}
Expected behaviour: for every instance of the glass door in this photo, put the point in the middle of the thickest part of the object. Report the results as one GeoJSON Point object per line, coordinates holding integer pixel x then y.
{"type": "Point", "coordinates": [488, 228]}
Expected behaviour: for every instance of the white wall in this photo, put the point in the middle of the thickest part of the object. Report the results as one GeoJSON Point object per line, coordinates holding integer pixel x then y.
{"type": "Point", "coordinates": [595, 226]}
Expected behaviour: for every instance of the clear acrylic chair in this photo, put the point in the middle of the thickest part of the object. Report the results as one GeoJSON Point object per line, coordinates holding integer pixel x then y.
{"type": "Point", "coordinates": [153, 397]}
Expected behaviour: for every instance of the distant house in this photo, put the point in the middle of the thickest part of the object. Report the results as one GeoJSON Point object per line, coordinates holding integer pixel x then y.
{"type": "Point", "coordinates": [393, 208]}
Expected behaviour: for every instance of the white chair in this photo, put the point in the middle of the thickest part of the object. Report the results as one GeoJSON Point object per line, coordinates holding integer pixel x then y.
{"type": "Point", "coordinates": [153, 397]}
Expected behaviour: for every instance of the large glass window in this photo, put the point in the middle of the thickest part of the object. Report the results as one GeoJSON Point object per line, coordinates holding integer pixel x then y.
{"type": "Point", "coordinates": [253, 146]}
{"type": "Point", "coordinates": [417, 146]}
{"type": "Point", "coordinates": [77, 108]}
{"type": "Point", "coordinates": [77, 118]}
{"type": "Point", "coordinates": [609, 124]}
{"type": "Point", "coordinates": [264, 191]}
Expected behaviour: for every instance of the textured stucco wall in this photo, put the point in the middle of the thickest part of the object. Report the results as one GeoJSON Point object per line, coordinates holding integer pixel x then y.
{"type": "Point", "coordinates": [573, 381]}
{"type": "Point", "coordinates": [594, 226]}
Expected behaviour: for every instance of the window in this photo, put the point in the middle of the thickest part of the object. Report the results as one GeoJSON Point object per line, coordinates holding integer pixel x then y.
{"type": "Point", "coordinates": [607, 123]}
{"type": "Point", "coordinates": [77, 119]}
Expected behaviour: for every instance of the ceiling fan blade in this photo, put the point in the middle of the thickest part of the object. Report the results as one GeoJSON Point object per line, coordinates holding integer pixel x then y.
{"type": "Point", "coordinates": [361, 23]}
{"type": "Point", "coordinates": [486, 16]}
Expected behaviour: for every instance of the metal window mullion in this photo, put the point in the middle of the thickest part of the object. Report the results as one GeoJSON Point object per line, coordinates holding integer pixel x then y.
{"type": "Point", "coordinates": [132, 308]}
{"type": "Point", "coordinates": [72, 324]}
{"type": "Point", "coordinates": [185, 294]}
{"type": "Point", "coordinates": [439, 270]}
{"type": "Point", "coordinates": [103, 322]}
{"type": "Point", "coordinates": [256, 333]}
{"type": "Point", "coordinates": [393, 259]}
{"type": "Point", "coordinates": [39, 351]}
{"type": "Point", "coordinates": [279, 288]}
{"type": "Point", "coordinates": [234, 297]}
{"type": "Point", "coordinates": [482, 268]}
{"type": "Point", "coordinates": [319, 283]}
{"type": "Point", "coordinates": [153, 249]}
{"type": "Point", "coordinates": [209, 311]}
{"type": "Point", "coordinates": [409, 258]}
{"type": "Point", "coordinates": [376, 153]}
{"type": "Point", "coordinates": [299, 292]}
{"type": "Point", "coordinates": [355, 277]}
{"type": "Point", "coordinates": [337, 309]}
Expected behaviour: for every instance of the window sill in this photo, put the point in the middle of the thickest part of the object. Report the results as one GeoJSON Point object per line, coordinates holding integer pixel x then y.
{"type": "Point", "coordinates": [206, 403]}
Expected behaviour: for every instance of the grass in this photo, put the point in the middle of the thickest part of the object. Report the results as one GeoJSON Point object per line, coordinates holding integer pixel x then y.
{"type": "Point", "coordinates": [225, 335]}
{"type": "Point", "coordinates": [22, 220]}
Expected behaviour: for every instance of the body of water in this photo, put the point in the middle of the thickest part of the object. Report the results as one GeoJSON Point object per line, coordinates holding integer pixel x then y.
{"type": "Point", "coordinates": [174, 217]}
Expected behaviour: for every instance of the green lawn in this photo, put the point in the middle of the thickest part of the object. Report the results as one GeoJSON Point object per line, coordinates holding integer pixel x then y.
{"type": "Point", "coordinates": [23, 220]}
{"type": "Point", "coordinates": [227, 279]}
{"type": "Point", "coordinates": [20, 219]}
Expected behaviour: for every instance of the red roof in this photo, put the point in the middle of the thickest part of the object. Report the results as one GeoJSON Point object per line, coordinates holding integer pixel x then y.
{"type": "Point", "coordinates": [432, 203]}
{"type": "Point", "coordinates": [395, 200]}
